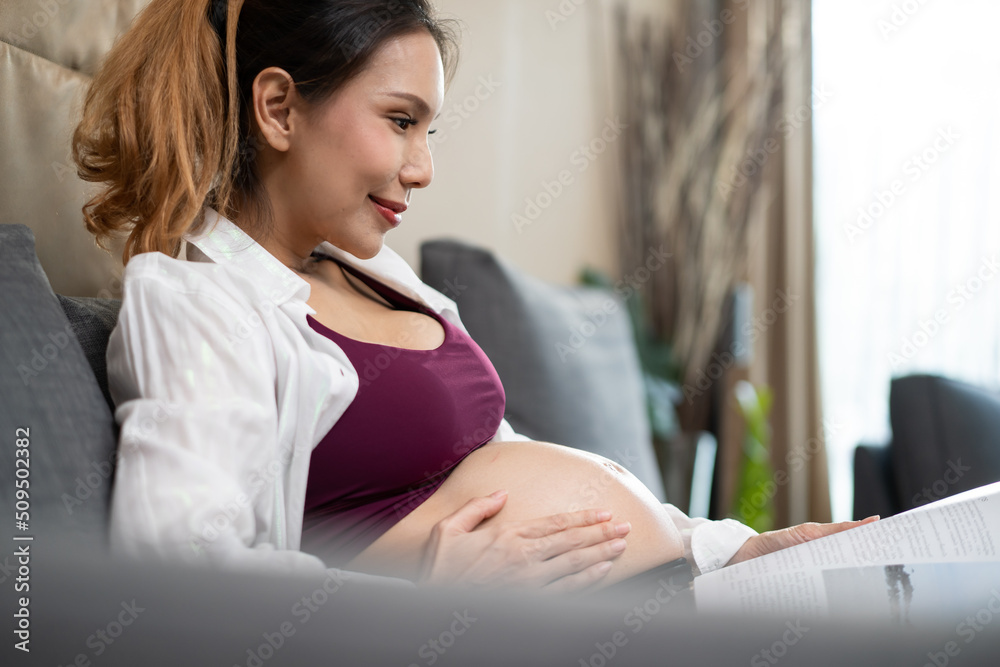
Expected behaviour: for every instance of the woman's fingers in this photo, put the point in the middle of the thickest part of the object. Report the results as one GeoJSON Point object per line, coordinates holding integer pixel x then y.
{"type": "Point", "coordinates": [776, 540]}
{"type": "Point", "coordinates": [551, 536]}
{"type": "Point", "coordinates": [574, 539]}
{"type": "Point", "coordinates": [561, 552]}
{"type": "Point", "coordinates": [579, 560]}
{"type": "Point", "coordinates": [811, 531]}
{"type": "Point", "coordinates": [474, 512]}
{"type": "Point", "coordinates": [580, 581]}
{"type": "Point", "coordinates": [556, 523]}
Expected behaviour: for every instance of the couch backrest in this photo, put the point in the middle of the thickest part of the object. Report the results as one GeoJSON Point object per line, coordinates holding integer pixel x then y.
{"type": "Point", "coordinates": [945, 437]}
{"type": "Point", "coordinates": [49, 50]}
{"type": "Point", "coordinates": [50, 391]}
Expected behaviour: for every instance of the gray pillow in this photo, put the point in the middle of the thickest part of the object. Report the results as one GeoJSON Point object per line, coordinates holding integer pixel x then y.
{"type": "Point", "coordinates": [566, 355]}
{"type": "Point", "coordinates": [48, 387]}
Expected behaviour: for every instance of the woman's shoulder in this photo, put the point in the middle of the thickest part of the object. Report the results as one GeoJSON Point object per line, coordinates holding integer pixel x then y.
{"type": "Point", "coordinates": [181, 304]}
{"type": "Point", "coordinates": [156, 280]}
{"type": "Point", "coordinates": [171, 270]}
{"type": "Point", "coordinates": [160, 274]}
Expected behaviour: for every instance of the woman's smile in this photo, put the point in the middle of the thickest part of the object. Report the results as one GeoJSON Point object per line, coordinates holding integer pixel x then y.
{"type": "Point", "coordinates": [391, 211]}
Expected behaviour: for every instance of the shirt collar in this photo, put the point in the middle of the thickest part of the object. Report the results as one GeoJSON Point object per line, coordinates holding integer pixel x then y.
{"type": "Point", "coordinates": [224, 242]}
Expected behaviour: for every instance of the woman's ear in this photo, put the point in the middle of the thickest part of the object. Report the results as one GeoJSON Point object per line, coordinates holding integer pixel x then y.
{"type": "Point", "coordinates": [273, 100]}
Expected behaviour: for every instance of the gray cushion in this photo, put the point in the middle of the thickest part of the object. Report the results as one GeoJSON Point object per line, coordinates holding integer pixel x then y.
{"type": "Point", "coordinates": [48, 387]}
{"type": "Point", "coordinates": [945, 437]}
{"type": "Point", "coordinates": [92, 320]}
{"type": "Point", "coordinates": [566, 355]}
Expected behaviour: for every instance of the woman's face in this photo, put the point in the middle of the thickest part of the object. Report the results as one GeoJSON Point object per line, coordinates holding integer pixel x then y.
{"type": "Point", "coordinates": [367, 142]}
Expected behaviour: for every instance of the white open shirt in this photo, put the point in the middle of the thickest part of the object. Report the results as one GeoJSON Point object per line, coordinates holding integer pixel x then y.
{"type": "Point", "coordinates": [222, 390]}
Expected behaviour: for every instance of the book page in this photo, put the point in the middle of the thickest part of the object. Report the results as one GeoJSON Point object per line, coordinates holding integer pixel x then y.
{"type": "Point", "coordinates": [903, 595]}
{"type": "Point", "coordinates": [964, 528]}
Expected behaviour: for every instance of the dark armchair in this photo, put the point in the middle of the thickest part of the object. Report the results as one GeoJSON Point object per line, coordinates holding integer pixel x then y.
{"type": "Point", "coordinates": [945, 440]}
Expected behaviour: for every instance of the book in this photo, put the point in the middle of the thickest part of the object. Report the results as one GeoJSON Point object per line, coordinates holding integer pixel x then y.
{"type": "Point", "coordinates": [933, 560]}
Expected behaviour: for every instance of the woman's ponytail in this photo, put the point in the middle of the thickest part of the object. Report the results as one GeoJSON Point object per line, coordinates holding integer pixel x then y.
{"type": "Point", "coordinates": [160, 127]}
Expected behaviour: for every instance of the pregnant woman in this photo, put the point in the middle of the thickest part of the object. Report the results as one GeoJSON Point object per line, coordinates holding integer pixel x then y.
{"type": "Point", "coordinates": [257, 153]}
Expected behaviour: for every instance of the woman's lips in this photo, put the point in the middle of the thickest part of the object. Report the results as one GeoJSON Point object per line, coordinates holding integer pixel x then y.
{"type": "Point", "coordinates": [388, 213]}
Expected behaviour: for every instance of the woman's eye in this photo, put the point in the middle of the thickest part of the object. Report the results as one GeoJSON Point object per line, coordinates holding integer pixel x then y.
{"type": "Point", "coordinates": [404, 123]}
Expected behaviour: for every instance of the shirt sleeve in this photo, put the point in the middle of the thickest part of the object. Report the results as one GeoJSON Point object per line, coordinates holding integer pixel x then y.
{"type": "Point", "coordinates": [506, 433]}
{"type": "Point", "coordinates": [709, 545]}
{"type": "Point", "coordinates": [198, 472]}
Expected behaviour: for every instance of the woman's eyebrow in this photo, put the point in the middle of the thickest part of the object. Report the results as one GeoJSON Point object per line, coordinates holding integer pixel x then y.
{"type": "Point", "coordinates": [423, 108]}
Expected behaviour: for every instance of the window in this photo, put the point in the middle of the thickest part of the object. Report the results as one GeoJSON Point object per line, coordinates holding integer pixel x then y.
{"type": "Point", "coordinates": [907, 206]}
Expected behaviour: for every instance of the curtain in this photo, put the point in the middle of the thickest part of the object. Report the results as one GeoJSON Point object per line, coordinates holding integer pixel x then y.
{"type": "Point", "coordinates": [781, 328]}
{"type": "Point", "coordinates": [717, 168]}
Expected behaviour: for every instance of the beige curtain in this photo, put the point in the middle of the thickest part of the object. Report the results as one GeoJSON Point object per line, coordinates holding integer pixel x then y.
{"type": "Point", "coordinates": [781, 273]}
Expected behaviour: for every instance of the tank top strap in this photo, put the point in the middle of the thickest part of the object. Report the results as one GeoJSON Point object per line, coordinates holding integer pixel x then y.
{"type": "Point", "coordinates": [392, 296]}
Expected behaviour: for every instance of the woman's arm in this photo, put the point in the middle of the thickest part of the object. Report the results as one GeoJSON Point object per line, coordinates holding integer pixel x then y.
{"type": "Point", "coordinates": [710, 545]}
{"type": "Point", "coordinates": [199, 464]}
{"type": "Point", "coordinates": [775, 540]}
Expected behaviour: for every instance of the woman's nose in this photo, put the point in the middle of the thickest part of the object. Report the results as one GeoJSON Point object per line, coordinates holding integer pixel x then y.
{"type": "Point", "coordinates": [419, 169]}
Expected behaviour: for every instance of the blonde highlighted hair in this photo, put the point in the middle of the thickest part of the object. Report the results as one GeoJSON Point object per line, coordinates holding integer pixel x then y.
{"type": "Point", "coordinates": [166, 126]}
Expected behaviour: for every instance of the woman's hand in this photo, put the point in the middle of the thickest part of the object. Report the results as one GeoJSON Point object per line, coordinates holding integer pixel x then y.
{"type": "Point", "coordinates": [775, 540]}
{"type": "Point", "coordinates": [558, 553]}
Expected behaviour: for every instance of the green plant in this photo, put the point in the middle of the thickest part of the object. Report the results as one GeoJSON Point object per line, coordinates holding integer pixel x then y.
{"type": "Point", "coordinates": [754, 503]}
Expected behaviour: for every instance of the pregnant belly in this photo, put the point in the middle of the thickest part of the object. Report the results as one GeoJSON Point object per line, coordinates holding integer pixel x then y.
{"type": "Point", "coordinates": [541, 479]}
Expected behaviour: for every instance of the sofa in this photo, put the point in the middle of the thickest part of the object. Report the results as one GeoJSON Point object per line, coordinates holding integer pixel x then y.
{"type": "Point", "coordinates": [89, 606]}
{"type": "Point", "coordinates": [86, 605]}
{"type": "Point", "coordinates": [945, 440]}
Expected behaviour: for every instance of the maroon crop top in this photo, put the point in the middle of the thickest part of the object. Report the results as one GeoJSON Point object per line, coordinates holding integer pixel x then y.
{"type": "Point", "coordinates": [417, 413]}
